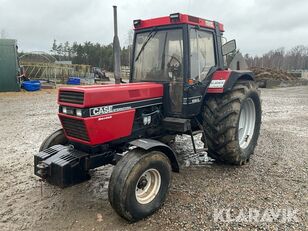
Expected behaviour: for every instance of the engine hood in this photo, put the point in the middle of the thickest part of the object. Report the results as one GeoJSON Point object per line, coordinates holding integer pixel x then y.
{"type": "Point", "coordinates": [98, 95]}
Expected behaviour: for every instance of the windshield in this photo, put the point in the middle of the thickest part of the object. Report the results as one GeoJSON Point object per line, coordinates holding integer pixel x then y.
{"type": "Point", "coordinates": [159, 56]}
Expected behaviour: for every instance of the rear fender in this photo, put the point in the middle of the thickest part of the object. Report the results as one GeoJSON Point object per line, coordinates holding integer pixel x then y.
{"type": "Point", "coordinates": [154, 145]}
{"type": "Point", "coordinates": [224, 81]}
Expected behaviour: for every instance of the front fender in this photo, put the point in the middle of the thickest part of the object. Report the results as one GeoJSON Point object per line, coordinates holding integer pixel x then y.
{"type": "Point", "coordinates": [154, 145]}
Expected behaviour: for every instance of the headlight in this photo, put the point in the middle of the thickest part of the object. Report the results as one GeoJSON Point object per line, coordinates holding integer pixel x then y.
{"type": "Point", "coordinates": [64, 110]}
{"type": "Point", "coordinates": [79, 112]}
{"type": "Point", "coordinates": [146, 120]}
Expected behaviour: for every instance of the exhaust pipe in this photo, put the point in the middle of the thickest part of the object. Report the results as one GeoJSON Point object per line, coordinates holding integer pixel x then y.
{"type": "Point", "coordinates": [116, 49]}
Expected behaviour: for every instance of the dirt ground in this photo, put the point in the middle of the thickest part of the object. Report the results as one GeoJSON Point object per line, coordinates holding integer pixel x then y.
{"type": "Point", "coordinates": [275, 178]}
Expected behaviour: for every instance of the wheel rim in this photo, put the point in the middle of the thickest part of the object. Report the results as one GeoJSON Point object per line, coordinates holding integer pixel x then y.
{"type": "Point", "coordinates": [247, 122]}
{"type": "Point", "coordinates": [148, 186]}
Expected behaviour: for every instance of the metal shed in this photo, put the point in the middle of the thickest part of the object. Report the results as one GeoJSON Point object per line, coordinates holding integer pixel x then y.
{"type": "Point", "coordinates": [8, 65]}
{"type": "Point", "coordinates": [238, 62]}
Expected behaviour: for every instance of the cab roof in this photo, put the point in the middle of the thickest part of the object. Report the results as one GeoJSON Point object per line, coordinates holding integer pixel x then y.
{"type": "Point", "coordinates": [176, 18]}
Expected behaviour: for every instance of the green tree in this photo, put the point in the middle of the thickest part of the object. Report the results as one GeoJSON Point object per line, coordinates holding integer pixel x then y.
{"type": "Point", "coordinates": [93, 54]}
{"type": "Point", "coordinates": [54, 47]}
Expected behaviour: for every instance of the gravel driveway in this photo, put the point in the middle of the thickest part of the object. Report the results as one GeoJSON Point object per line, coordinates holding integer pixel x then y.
{"type": "Point", "coordinates": [203, 196]}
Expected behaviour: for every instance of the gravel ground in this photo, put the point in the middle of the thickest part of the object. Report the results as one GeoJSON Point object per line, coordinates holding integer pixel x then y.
{"type": "Point", "coordinates": [276, 177]}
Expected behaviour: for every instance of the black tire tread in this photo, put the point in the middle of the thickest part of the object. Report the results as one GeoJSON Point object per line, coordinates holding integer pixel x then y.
{"type": "Point", "coordinates": [116, 191]}
{"type": "Point", "coordinates": [221, 113]}
{"type": "Point", "coordinates": [56, 137]}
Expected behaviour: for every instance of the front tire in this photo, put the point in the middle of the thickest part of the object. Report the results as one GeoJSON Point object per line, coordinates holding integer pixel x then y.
{"type": "Point", "coordinates": [232, 123]}
{"type": "Point", "coordinates": [139, 184]}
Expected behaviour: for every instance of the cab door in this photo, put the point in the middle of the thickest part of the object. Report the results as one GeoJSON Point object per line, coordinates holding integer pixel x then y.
{"type": "Point", "coordinates": [201, 59]}
{"type": "Point", "coordinates": [172, 62]}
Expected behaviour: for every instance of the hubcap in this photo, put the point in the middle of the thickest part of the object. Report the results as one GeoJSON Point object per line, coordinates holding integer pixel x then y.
{"type": "Point", "coordinates": [148, 186]}
{"type": "Point", "coordinates": [247, 122]}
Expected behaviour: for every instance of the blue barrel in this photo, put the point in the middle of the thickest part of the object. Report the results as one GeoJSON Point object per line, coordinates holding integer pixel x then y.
{"type": "Point", "coordinates": [32, 85]}
{"type": "Point", "coordinates": [73, 81]}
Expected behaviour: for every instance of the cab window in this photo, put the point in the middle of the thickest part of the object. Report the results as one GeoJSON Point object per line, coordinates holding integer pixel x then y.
{"type": "Point", "coordinates": [202, 53]}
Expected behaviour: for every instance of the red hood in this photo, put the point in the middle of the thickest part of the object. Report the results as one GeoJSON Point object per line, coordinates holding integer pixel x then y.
{"type": "Point", "coordinates": [98, 95]}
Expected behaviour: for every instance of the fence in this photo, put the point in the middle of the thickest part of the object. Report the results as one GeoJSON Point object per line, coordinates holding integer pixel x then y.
{"type": "Point", "coordinates": [53, 72]}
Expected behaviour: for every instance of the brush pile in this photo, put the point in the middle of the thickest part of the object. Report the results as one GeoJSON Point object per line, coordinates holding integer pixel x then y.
{"type": "Point", "coordinates": [272, 74]}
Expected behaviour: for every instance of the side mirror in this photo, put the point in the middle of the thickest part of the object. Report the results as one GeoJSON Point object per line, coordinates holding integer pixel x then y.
{"type": "Point", "coordinates": [228, 47]}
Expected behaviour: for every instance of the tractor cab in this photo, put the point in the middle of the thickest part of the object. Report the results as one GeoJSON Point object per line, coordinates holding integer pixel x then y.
{"type": "Point", "coordinates": [181, 52]}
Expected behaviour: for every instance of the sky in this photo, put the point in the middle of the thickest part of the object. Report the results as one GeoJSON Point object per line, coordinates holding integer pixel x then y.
{"type": "Point", "coordinates": [257, 25]}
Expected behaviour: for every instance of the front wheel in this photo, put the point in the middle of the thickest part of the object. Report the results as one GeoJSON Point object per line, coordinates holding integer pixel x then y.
{"type": "Point", "coordinates": [139, 184]}
{"type": "Point", "coordinates": [57, 137]}
{"type": "Point", "coordinates": [232, 123]}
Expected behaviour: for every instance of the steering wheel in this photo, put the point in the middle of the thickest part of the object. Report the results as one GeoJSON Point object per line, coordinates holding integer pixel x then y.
{"type": "Point", "coordinates": [174, 65]}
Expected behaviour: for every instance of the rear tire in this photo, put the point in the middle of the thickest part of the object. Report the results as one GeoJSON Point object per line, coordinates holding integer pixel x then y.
{"type": "Point", "coordinates": [58, 137]}
{"type": "Point", "coordinates": [232, 123]}
{"type": "Point", "coordinates": [139, 184]}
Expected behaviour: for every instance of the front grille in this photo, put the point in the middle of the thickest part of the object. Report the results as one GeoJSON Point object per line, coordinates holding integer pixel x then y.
{"type": "Point", "coordinates": [75, 128]}
{"type": "Point", "coordinates": [71, 97]}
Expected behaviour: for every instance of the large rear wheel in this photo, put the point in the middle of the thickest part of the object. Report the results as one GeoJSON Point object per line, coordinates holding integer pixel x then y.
{"type": "Point", "coordinates": [232, 123]}
{"type": "Point", "coordinates": [139, 184]}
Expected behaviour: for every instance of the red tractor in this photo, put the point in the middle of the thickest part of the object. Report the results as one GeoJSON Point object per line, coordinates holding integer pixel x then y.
{"type": "Point", "coordinates": [179, 84]}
